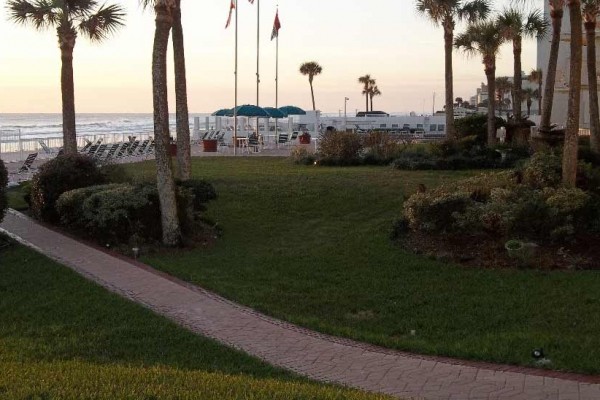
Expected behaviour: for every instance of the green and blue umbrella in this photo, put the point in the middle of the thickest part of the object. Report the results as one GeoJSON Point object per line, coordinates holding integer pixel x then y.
{"type": "Point", "coordinates": [274, 112]}
{"type": "Point", "coordinates": [292, 110]}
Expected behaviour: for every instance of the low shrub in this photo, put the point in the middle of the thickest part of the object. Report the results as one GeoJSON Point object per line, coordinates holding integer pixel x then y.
{"type": "Point", "coordinates": [475, 126]}
{"type": "Point", "coordinates": [3, 184]}
{"type": "Point", "coordinates": [300, 155]}
{"type": "Point", "coordinates": [340, 148]}
{"type": "Point", "coordinates": [526, 203]}
{"type": "Point", "coordinates": [381, 148]}
{"type": "Point", "coordinates": [124, 213]}
{"type": "Point", "coordinates": [201, 190]}
{"type": "Point", "coordinates": [58, 176]}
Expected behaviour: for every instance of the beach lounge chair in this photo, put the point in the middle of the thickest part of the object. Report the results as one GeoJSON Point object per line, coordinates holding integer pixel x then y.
{"type": "Point", "coordinates": [253, 143]}
{"type": "Point", "coordinates": [133, 148]}
{"type": "Point", "coordinates": [85, 148]}
{"type": "Point", "coordinates": [94, 148]}
{"type": "Point", "coordinates": [101, 149]}
{"type": "Point", "coordinates": [123, 150]}
{"type": "Point", "coordinates": [28, 164]}
{"type": "Point", "coordinates": [112, 149]}
{"type": "Point", "coordinates": [142, 148]}
{"type": "Point", "coordinates": [282, 138]}
{"type": "Point", "coordinates": [47, 150]}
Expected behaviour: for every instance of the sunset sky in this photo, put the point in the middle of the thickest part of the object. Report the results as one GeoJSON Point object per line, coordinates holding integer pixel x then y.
{"type": "Point", "coordinates": [349, 38]}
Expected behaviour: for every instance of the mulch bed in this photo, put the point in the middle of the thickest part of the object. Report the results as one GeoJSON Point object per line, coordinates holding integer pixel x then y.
{"type": "Point", "coordinates": [485, 251]}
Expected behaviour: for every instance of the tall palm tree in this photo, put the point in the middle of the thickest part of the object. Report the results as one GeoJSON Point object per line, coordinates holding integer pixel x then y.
{"type": "Point", "coordinates": [503, 87]}
{"type": "Point", "coordinates": [184, 157]}
{"type": "Point", "coordinates": [530, 94]}
{"type": "Point", "coordinates": [446, 13]}
{"type": "Point", "coordinates": [516, 26]}
{"type": "Point", "coordinates": [537, 76]}
{"type": "Point", "coordinates": [556, 16]}
{"type": "Point", "coordinates": [311, 69]}
{"type": "Point", "coordinates": [591, 9]}
{"type": "Point", "coordinates": [171, 231]}
{"type": "Point", "coordinates": [569, 165]}
{"type": "Point", "coordinates": [485, 39]}
{"type": "Point", "coordinates": [70, 18]}
{"type": "Point", "coordinates": [374, 91]}
{"type": "Point", "coordinates": [367, 82]}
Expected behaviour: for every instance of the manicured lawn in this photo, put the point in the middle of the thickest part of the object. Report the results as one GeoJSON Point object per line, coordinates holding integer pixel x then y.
{"type": "Point", "coordinates": [62, 337]}
{"type": "Point", "coordinates": [310, 245]}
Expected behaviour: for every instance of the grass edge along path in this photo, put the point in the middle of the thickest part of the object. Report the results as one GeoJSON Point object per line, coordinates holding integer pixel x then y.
{"type": "Point", "coordinates": [64, 337]}
{"type": "Point", "coordinates": [310, 246]}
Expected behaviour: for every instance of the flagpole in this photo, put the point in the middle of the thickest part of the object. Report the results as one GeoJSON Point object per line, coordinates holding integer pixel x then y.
{"type": "Point", "coordinates": [257, 52]}
{"type": "Point", "coordinates": [277, 81]}
{"type": "Point", "coordinates": [236, 82]}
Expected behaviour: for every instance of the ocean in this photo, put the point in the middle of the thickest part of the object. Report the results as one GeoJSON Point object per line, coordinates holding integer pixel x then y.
{"type": "Point", "coordinates": [50, 125]}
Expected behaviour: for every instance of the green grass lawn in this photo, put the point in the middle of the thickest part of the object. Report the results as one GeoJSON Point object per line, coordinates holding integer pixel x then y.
{"type": "Point", "coordinates": [62, 337]}
{"type": "Point", "coordinates": [310, 245]}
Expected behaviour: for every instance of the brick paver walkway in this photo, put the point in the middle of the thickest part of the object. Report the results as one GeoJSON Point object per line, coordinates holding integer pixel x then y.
{"type": "Point", "coordinates": [314, 355]}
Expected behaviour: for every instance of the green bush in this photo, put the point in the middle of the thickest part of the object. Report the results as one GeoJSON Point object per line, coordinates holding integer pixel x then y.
{"type": "Point", "coordinates": [509, 204]}
{"type": "Point", "coordinates": [381, 148]}
{"type": "Point", "coordinates": [3, 183]}
{"type": "Point", "coordinates": [123, 213]}
{"type": "Point", "coordinates": [543, 170]}
{"type": "Point", "coordinates": [58, 176]}
{"type": "Point", "coordinates": [202, 192]}
{"type": "Point", "coordinates": [475, 126]}
{"type": "Point", "coordinates": [340, 148]}
{"type": "Point", "coordinates": [300, 155]}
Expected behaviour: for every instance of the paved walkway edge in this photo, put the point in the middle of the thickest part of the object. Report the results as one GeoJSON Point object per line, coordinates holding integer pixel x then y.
{"type": "Point", "coordinates": [308, 353]}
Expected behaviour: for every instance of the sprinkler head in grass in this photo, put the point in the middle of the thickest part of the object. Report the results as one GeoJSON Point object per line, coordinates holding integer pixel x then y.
{"type": "Point", "coordinates": [136, 252]}
{"type": "Point", "coordinates": [538, 354]}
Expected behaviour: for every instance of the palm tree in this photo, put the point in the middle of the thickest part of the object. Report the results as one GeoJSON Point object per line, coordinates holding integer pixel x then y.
{"type": "Point", "coordinates": [530, 94]}
{"type": "Point", "coordinates": [503, 87]}
{"type": "Point", "coordinates": [184, 157]}
{"type": "Point", "coordinates": [70, 18]}
{"type": "Point", "coordinates": [374, 92]}
{"type": "Point", "coordinates": [367, 82]}
{"type": "Point", "coordinates": [591, 9]}
{"type": "Point", "coordinates": [446, 13]}
{"type": "Point", "coordinates": [485, 39]}
{"type": "Point", "coordinates": [556, 16]}
{"type": "Point", "coordinates": [517, 26]}
{"type": "Point", "coordinates": [312, 69]}
{"type": "Point", "coordinates": [537, 76]}
{"type": "Point", "coordinates": [569, 165]}
{"type": "Point", "coordinates": [171, 231]}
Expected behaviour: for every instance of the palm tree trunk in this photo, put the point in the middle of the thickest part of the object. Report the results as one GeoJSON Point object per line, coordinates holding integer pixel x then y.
{"type": "Point", "coordinates": [366, 99]}
{"type": "Point", "coordinates": [371, 103]}
{"type": "Point", "coordinates": [590, 32]}
{"type": "Point", "coordinates": [548, 97]}
{"type": "Point", "coordinates": [449, 75]}
{"type": "Point", "coordinates": [184, 157]}
{"type": "Point", "coordinates": [529, 102]}
{"type": "Point", "coordinates": [66, 40]}
{"type": "Point", "coordinates": [540, 96]}
{"type": "Point", "coordinates": [490, 73]}
{"type": "Point", "coordinates": [312, 94]}
{"type": "Point", "coordinates": [518, 85]}
{"type": "Point", "coordinates": [164, 175]}
{"type": "Point", "coordinates": [569, 164]}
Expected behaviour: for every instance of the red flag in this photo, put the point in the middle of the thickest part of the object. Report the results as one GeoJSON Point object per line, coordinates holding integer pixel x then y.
{"type": "Point", "coordinates": [276, 26]}
{"type": "Point", "coordinates": [231, 8]}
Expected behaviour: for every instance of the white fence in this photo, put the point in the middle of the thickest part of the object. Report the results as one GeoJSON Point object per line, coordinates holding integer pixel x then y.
{"type": "Point", "coordinates": [15, 146]}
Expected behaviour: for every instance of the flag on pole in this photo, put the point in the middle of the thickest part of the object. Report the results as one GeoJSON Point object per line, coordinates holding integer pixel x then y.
{"type": "Point", "coordinates": [231, 8]}
{"type": "Point", "coordinates": [276, 26]}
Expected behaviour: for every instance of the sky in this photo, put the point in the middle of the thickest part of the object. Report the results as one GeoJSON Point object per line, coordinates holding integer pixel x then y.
{"type": "Point", "coordinates": [388, 39]}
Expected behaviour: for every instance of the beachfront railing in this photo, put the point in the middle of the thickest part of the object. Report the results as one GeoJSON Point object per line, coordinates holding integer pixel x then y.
{"type": "Point", "coordinates": [15, 146]}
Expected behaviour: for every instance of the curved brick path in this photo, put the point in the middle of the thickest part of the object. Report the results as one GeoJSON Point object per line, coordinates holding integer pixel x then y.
{"type": "Point", "coordinates": [316, 356]}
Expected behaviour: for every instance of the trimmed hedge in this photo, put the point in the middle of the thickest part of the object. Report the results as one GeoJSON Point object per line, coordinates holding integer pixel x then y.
{"type": "Point", "coordinates": [3, 183]}
{"type": "Point", "coordinates": [58, 176]}
{"type": "Point", "coordinates": [125, 213]}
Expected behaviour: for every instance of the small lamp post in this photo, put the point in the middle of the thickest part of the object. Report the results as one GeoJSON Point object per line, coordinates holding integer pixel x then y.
{"type": "Point", "coordinates": [345, 114]}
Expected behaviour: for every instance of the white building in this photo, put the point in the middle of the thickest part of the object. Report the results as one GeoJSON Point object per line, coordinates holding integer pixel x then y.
{"type": "Point", "coordinates": [561, 88]}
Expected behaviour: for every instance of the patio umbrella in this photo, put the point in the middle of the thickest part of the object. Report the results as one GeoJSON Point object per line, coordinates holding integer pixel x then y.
{"type": "Point", "coordinates": [292, 110]}
{"type": "Point", "coordinates": [224, 112]}
{"type": "Point", "coordinates": [249, 110]}
{"type": "Point", "coordinates": [274, 112]}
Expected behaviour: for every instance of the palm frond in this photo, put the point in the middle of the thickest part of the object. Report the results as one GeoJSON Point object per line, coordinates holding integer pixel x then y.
{"type": "Point", "coordinates": [536, 25]}
{"type": "Point", "coordinates": [41, 14]}
{"type": "Point", "coordinates": [474, 10]}
{"type": "Point", "coordinates": [104, 22]}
